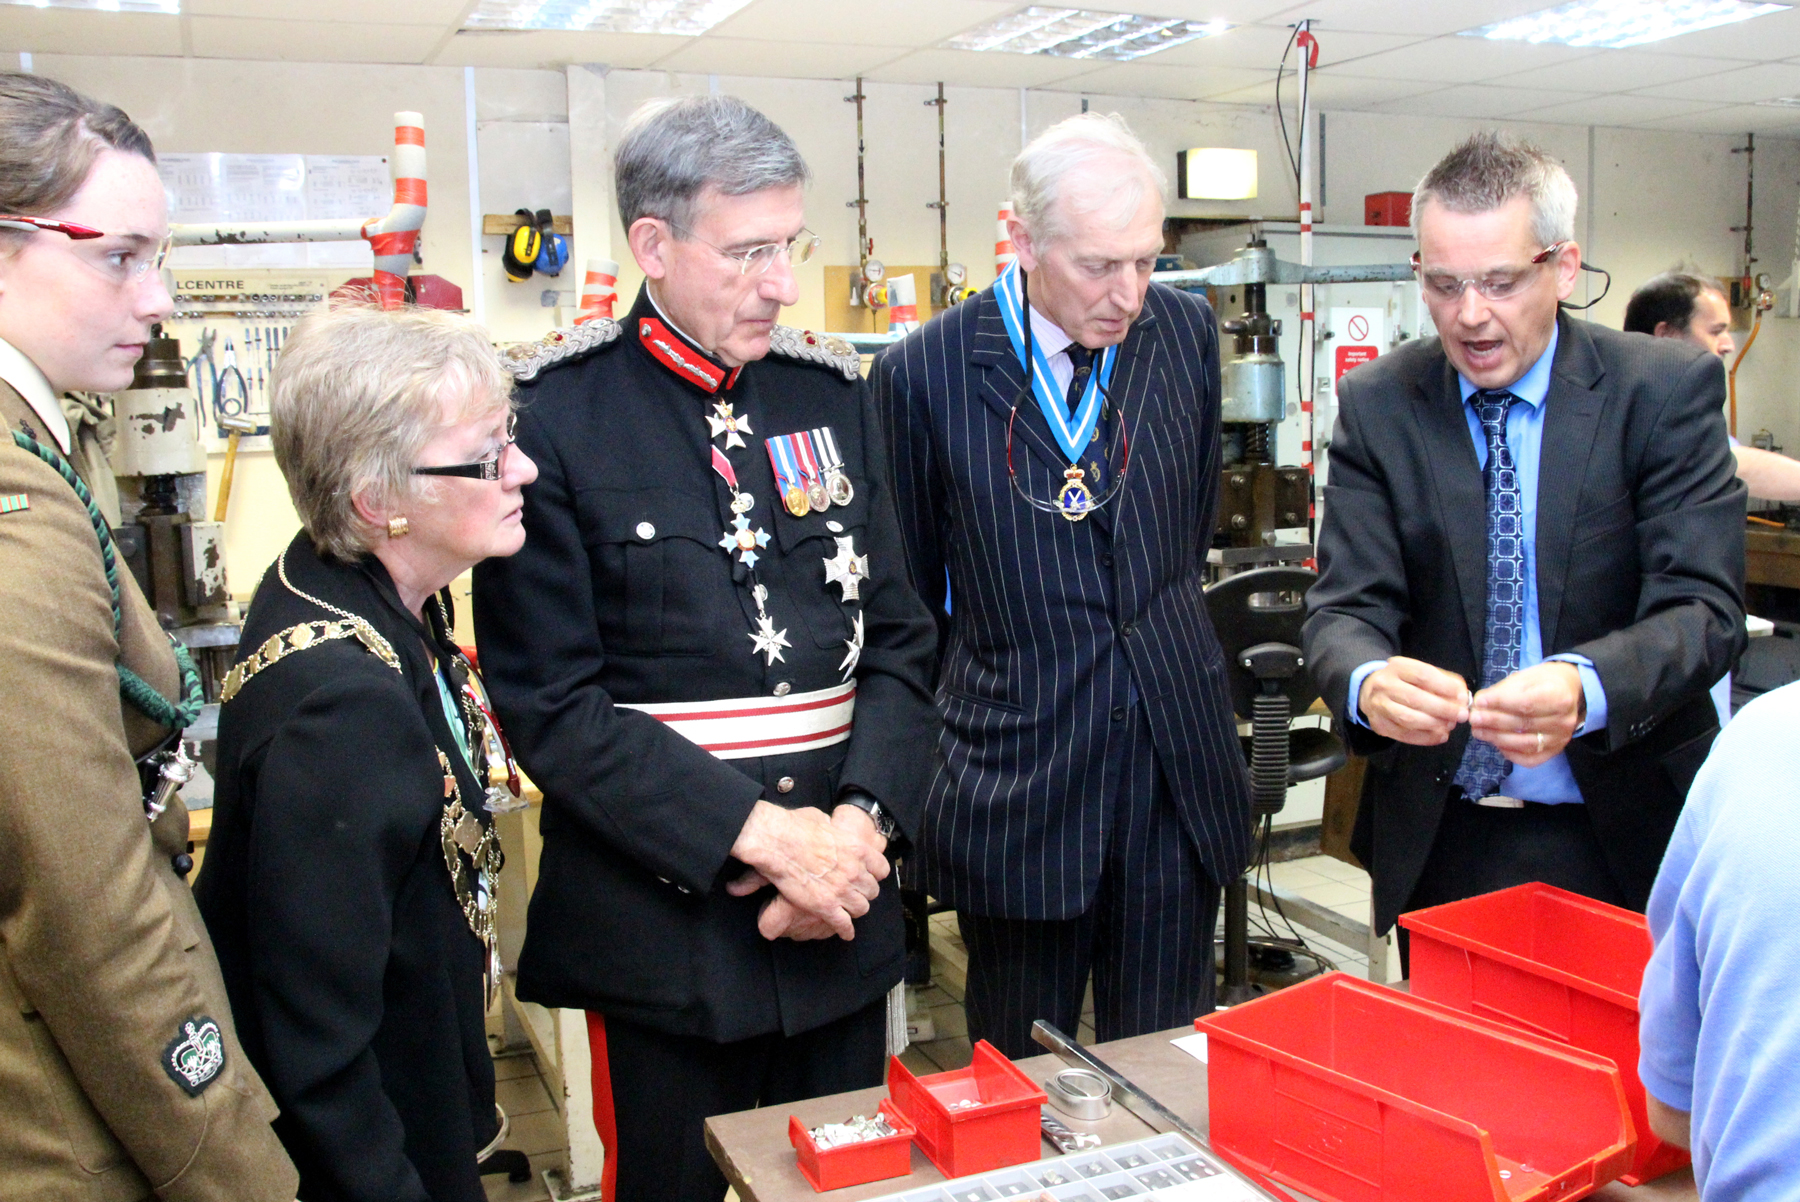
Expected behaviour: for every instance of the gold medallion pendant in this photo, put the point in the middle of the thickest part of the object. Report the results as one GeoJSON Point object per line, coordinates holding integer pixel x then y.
{"type": "Point", "coordinates": [795, 500]}
{"type": "Point", "coordinates": [1074, 501]}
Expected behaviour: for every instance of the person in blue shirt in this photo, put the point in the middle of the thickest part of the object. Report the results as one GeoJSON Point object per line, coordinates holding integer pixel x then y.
{"type": "Point", "coordinates": [1531, 563]}
{"type": "Point", "coordinates": [1718, 1029]}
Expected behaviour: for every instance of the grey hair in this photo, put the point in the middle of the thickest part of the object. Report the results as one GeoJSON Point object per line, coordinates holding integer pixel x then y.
{"type": "Point", "coordinates": [1072, 151]}
{"type": "Point", "coordinates": [1489, 170]}
{"type": "Point", "coordinates": [357, 393]}
{"type": "Point", "coordinates": [50, 135]}
{"type": "Point", "coordinates": [674, 148]}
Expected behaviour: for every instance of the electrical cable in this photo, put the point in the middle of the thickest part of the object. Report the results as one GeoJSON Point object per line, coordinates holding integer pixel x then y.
{"type": "Point", "coordinates": [1281, 67]}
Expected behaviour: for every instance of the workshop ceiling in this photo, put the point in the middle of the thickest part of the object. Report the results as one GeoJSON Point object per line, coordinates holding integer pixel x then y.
{"type": "Point", "coordinates": [1384, 56]}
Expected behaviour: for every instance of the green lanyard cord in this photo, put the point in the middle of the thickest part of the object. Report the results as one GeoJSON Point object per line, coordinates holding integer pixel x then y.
{"type": "Point", "coordinates": [132, 687]}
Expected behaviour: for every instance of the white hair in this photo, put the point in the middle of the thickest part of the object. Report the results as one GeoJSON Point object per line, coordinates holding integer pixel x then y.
{"type": "Point", "coordinates": [1072, 152]}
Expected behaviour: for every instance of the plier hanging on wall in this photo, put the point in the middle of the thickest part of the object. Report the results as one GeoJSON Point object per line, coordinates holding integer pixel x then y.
{"type": "Point", "coordinates": [225, 402]}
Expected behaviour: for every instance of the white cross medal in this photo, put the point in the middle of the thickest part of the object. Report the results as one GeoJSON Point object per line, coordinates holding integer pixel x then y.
{"type": "Point", "coordinates": [742, 539]}
{"type": "Point", "coordinates": [855, 644]}
{"type": "Point", "coordinates": [847, 568]}
{"type": "Point", "coordinates": [765, 640]}
{"type": "Point", "coordinates": [733, 428]}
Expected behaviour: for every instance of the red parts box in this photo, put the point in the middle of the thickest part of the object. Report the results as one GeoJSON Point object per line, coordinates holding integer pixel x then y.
{"type": "Point", "coordinates": [1387, 208]}
{"type": "Point", "coordinates": [854, 1164]}
{"type": "Point", "coordinates": [1000, 1129]}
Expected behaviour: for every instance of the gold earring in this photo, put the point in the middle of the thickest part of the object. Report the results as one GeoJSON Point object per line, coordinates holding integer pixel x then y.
{"type": "Point", "coordinates": [397, 527]}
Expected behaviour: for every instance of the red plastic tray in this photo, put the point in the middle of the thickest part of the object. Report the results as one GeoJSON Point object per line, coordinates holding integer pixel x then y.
{"type": "Point", "coordinates": [1002, 1129]}
{"type": "Point", "coordinates": [1553, 962]}
{"type": "Point", "coordinates": [1353, 1092]}
{"type": "Point", "coordinates": [854, 1164]}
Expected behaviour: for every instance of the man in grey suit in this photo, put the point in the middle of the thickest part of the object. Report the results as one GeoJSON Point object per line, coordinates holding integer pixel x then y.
{"type": "Point", "coordinates": [1056, 455]}
{"type": "Point", "coordinates": [1531, 563]}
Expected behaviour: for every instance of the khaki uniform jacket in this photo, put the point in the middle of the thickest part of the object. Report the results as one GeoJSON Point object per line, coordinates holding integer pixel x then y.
{"type": "Point", "coordinates": [104, 961]}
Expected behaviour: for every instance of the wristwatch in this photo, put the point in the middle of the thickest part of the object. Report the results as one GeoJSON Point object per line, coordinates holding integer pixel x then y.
{"type": "Point", "coordinates": [884, 825]}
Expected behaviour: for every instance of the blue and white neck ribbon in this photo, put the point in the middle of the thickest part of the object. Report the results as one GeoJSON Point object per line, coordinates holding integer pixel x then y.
{"type": "Point", "coordinates": [1072, 433]}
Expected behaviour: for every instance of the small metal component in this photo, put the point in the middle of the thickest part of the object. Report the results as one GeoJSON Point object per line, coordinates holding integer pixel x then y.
{"type": "Point", "coordinates": [783, 689]}
{"type": "Point", "coordinates": [1066, 1138]}
{"type": "Point", "coordinates": [1080, 1094]}
{"type": "Point", "coordinates": [646, 531]}
{"type": "Point", "coordinates": [785, 785]}
{"type": "Point", "coordinates": [177, 768]}
{"type": "Point", "coordinates": [858, 1130]}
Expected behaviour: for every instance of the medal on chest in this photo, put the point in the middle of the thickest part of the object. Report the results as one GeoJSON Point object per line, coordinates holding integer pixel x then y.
{"type": "Point", "coordinates": [724, 421]}
{"type": "Point", "coordinates": [798, 473]}
{"type": "Point", "coordinates": [472, 856]}
{"type": "Point", "coordinates": [847, 569]}
{"type": "Point", "coordinates": [831, 464]}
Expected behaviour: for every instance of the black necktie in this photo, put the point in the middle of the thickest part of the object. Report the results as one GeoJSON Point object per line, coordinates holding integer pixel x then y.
{"type": "Point", "coordinates": [1083, 359]}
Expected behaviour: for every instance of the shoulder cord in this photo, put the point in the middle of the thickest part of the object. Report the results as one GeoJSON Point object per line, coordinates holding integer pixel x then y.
{"type": "Point", "coordinates": [132, 687]}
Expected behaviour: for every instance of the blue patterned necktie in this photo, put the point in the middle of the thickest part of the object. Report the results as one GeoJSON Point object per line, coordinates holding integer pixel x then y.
{"type": "Point", "coordinates": [1095, 459]}
{"type": "Point", "coordinates": [1483, 766]}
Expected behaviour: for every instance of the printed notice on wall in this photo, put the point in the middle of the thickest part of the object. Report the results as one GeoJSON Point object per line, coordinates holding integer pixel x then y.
{"type": "Point", "coordinates": [232, 188]}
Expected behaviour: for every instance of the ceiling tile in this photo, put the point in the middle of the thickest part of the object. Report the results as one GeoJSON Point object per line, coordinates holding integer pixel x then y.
{"type": "Point", "coordinates": [1736, 119]}
{"type": "Point", "coordinates": [305, 41]}
{"type": "Point", "coordinates": [913, 23]}
{"type": "Point", "coordinates": [1422, 17]}
{"type": "Point", "coordinates": [1619, 70]}
{"type": "Point", "coordinates": [1262, 46]}
{"type": "Point", "coordinates": [1149, 79]}
{"type": "Point", "coordinates": [1746, 85]}
{"type": "Point", "coordinates": [1616, 110]}
{"type": "Point", "coordinates": [1774, 36]}
{"type": "Point", "coordinates": [1476, 100]}
{"type": "Point", "coordinates": [555, 48]}
{"type": "Point", "coordinates": [1459, 60]}
{"type": "Point", "coordinates": [72, 31]}
{"type": "Point", "coordinates": [1330, 91]}
{"type": "Point", "coordinates": [710, 55]}
{"type": "Point", "coordinates": [445, 14]}
{"type": "Point", "coordinates": [971, 69]}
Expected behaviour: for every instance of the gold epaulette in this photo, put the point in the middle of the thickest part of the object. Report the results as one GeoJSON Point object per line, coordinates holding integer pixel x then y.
{"type": "Point", "coordinates": [526, 359]}
{"type": "Point", "coordinates": [816, 348]}
{"type": "Point", "coordinates": [278, 647]}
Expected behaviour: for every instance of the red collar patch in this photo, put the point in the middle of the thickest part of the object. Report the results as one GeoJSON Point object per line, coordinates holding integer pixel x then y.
{"type": "Point", "coordinates": [679, 356]}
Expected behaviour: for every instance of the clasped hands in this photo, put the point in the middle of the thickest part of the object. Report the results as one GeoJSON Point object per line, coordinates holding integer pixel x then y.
{"type": "Point", "coordinates": [826, 870]}
{"type": "Point", "coordinates": [1530, 716]}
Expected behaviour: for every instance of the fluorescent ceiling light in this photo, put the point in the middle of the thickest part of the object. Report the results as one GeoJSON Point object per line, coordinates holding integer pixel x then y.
{"type": "Point", "coordinates": [1078, 33]}
{"type": "Point", "coordinates": [683, 17]}
{"type": "Point", "coordinates": [1616, 23]}
{"type": "Point", "coordinates": [104, 6]}
{"type": "Point", "coordinates": [1781, 102]}
{"type": "Point", "coordinates": [1216, 173]}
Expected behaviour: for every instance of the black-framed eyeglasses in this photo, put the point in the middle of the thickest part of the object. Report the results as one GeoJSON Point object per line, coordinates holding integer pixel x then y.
{"type": "Point", "coordinates": [1495, 285]}
{"type": "Point", "coordinates": [481, 469]}
{"type": "Point", "coordinates": [122, 265]}
{"type": "Point", "coordinates": [758, 259]}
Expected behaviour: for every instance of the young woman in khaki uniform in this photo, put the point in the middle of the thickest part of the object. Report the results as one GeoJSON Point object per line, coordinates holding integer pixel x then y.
{"type": "Point", "coordinates": [120, 1075]}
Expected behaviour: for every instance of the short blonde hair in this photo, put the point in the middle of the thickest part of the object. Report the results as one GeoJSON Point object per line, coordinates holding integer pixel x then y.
{"type": "Point", "coordinates": [1074, 151]}
{"type": "Point", "coordinates": [357, 393]}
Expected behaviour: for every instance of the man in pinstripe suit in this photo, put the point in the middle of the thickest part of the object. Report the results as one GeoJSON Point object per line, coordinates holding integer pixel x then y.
{"type": "Point", "coordinates": [1092, 795]}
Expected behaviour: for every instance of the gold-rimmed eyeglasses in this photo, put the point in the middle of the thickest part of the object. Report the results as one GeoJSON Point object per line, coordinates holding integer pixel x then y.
{"type": "Point", "coordinates": [757, 260]}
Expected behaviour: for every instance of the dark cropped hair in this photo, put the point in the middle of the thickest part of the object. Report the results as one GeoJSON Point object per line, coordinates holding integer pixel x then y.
{"type": "Point", "coordinates": [50, 135]}
{"type": "Point", "coordinates": [1669, 297]}
{"type": "Point", "coordinates": [674, 149]}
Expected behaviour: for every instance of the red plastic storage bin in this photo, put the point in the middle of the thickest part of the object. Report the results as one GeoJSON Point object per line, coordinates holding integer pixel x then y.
{"type": "Point", "coordinates": [854, 1164]}
{"type": "Point", "coordinates": [999, 1130]}
{"type": "Point", "coordinates": [1355, 1092]}
{"type": "Point", "coordinates": [1387, 208]}
{"type": "Point", "coordinates": [1552, 962]}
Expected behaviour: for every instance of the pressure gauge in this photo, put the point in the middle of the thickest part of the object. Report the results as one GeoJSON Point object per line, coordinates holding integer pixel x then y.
{"type": "Point", "coordinates": [955, 274]}
{"type": "Point", "coordinates": [873, 271]}
{"type": "Point", "coordinates": [876, 295]}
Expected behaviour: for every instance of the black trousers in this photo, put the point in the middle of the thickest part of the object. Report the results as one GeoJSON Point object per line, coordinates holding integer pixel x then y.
{"type": "Point", "coordinates": [1147, 938]}
{"type": "Point", "coordinates": [1479, 849]}
{"type": "Point", "coordinates": [653, 1093]}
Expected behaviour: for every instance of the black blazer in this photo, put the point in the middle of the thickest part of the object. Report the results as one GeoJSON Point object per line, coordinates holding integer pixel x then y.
{"type": "Point", "coordinates": [622, 594]}
{"type": "Point", "coordinates": [354, 978]}
{"type": "Point", "coordinates": [1057, 624]}
{"type": "Point", "coordinates": [1640, 567]}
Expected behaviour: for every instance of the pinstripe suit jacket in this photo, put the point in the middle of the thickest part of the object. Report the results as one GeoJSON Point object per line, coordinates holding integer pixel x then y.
{"type": "Point", "coordinates": [1059, 626]}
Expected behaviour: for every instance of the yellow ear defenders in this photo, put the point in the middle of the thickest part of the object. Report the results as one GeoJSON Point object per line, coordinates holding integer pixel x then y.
{"type": "Point", "coordinates": [523, 246]}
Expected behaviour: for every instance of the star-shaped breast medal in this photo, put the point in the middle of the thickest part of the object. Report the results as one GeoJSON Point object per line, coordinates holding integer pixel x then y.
{"type": "Point", "coordinates": [768, 641]}
{"type": "Point", "coordinates": [723, 422]}
{"type": "Point", "coordinates": [854, 655]}
{"type": "Point", "coordinates": [847, 568]}
{"type": "Point", "coordinates": [745, 541]}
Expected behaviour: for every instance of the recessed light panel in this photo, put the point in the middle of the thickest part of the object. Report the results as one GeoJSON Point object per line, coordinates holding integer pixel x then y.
{"type": "Point", "coordinates": [1078, 33]}
{"type": "Point", "coordinates": [686, 18]}
{"type": "Point", "coordinates": [1781, 102]}
{"type": "Point", "coordinates": [1613, 24]}
{"type": "Point", "coordinates": [103, 6]}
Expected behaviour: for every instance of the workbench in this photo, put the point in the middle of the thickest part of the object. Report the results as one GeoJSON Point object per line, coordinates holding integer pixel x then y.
{"type": "Point", "coordinates": [752, 1149]}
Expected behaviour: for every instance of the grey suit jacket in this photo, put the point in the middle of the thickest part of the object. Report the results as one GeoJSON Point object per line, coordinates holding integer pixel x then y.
{"type": "Point", "coordinates": [1640, 567]}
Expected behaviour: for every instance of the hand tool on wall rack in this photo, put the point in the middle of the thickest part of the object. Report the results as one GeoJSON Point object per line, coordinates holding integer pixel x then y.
{"type": "Point", "coordinates": [239, 426]}
{"type": "Point", "coordinates": [206, 386]}
{"type": "Point", "coordinates": [227, 403]}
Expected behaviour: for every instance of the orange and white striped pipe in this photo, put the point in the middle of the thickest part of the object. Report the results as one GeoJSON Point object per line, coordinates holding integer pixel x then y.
{"type": "Point", "coordinates": [903, 305]}
{"type": "Point", "coordinates": [1003, 247]}
{"type": "Point", "coordinates": [395, 236]}
{"type": "Point", "coordinates": [599, 289]}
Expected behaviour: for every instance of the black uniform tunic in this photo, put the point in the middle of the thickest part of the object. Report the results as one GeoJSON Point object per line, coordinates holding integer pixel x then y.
{"type": "Point", "coordinates": [354, 977]}
{"type": "Point", "coordinates": [623, 595]}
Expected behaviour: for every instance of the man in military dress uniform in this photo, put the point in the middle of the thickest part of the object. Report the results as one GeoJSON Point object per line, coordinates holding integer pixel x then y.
{"type": "Point", "coordinates": [709, 658]}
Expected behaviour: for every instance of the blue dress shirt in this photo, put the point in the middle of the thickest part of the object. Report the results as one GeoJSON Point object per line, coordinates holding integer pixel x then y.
{"type": "Point", "coordinates": [1551, 783]}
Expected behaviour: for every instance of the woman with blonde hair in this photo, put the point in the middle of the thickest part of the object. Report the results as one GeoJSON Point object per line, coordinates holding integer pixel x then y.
{"type": "Point", "coordinates": [350, 877]}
